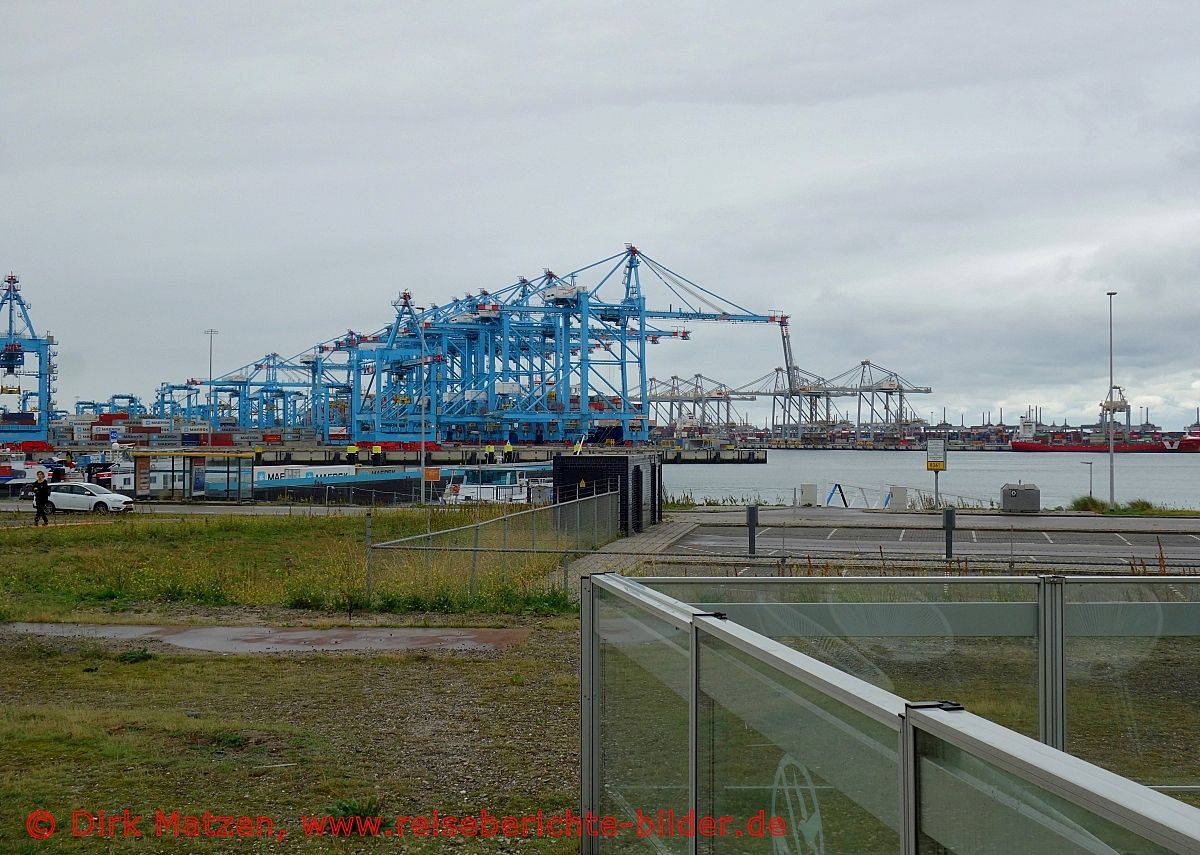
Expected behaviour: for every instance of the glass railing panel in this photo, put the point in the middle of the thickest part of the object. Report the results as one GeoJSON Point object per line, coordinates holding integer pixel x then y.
{"type": "Point", "coordinates": [818, 775]}
{"type": "Point", "coordinates": [969, 806]}
{"type": "Point", "coordinates": [1133, 680]}
{"type": "Point", "coordinates": [974, 642]}
{"type": "Point", "coordinates": [643, 689]}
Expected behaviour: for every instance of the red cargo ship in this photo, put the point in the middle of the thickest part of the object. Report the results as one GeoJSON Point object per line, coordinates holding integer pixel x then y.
{"type": "Point", "coordinates": [1187, 443]}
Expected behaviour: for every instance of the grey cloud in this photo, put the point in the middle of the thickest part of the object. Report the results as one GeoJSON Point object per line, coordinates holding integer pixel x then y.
{"type": "Point", "coordinates": [946, 188]}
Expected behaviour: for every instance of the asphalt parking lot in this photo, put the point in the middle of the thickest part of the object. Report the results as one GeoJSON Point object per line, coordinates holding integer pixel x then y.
{"type": "Point", "coordinates": [818, 532]}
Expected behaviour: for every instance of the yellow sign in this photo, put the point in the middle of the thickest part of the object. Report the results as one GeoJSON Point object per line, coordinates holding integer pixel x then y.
{"type": "Point", "coordinates": [433, 473]}
{"type": "Point", "coordinates": [935, 465]}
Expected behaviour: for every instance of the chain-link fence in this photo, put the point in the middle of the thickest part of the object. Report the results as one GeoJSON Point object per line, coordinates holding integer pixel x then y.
{"type": "Point", "coordinates": [491, 560]}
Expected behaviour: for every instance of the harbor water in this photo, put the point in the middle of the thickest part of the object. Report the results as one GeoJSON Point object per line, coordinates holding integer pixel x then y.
{"type": "Point", "coordinates": [1167, 480]}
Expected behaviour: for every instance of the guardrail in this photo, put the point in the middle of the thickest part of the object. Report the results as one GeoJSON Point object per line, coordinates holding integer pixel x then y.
{"type": "Point", "coordinates": [693, 704]}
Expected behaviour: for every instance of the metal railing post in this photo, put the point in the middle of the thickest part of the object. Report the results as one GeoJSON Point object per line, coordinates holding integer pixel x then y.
{"type": "Point", "coordinates": [1052, 708]}
{"type": "Point", "coordinates": [910, 784]}
{"type": "Point", "coordinates": [910, 803]}
{"type": "Point", "coordinates": [589, 720]}
{"type": "Point", "coordinates": [693, 729]}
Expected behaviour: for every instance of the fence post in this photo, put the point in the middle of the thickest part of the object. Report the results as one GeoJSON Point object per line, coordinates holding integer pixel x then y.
{"type": "Point", "coordinates": [369, 580]}
{"type": "Point", "coordinates": [578, 525]}
{"type": "Point", "coordinates": [474, 562]}
{"type": "Point", "coordinates": [595, 521]}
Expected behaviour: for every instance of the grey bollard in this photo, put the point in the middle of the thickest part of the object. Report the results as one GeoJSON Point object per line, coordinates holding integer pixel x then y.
{"type": "Point", "coordinates": [948, 525]}
{"type": "Point", "coordinates": [751, 524]}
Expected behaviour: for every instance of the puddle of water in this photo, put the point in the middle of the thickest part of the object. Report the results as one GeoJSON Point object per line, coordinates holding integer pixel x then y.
{"type": "Point", "coordinates": [265, 639]}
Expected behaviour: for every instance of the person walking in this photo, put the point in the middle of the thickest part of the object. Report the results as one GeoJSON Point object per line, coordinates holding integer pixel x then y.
{"type": "Point", "coordinates": [41, 498]}
{"type": "Point", "coordinates": [508, 452]}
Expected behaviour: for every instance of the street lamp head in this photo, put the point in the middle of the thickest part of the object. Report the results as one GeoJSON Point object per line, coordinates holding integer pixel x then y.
{"type": "Point", "coordinates": [1111, 293]}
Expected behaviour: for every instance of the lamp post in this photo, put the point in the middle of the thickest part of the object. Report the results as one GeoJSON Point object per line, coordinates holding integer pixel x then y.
{"type": "Point", "coordinates": [424, 392]}
{"type": "Point", "coordinates": [1112, 478]}
{"type": "Point", "coordinates": [1088, 464]}
{"type": "Point", "coordinates": [212, 392]}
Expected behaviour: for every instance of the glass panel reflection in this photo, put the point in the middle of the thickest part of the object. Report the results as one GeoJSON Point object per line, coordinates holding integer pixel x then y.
{"type": "Point", "coordinates": [771, 746]}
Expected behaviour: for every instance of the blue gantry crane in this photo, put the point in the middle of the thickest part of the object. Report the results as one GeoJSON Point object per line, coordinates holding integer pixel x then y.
{"type": "Point", "coordinates": [550, 359]}
{"type": "Point", "coordinates": [25, 413]}
{"type": "Point", "coordinates": [547, 360]}
{"type": "Point", "coordinates": [270, 393]}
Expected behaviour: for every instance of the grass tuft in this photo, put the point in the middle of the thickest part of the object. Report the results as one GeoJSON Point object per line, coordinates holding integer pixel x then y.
{"type": "Point", "coordinates": [364, 808]}
{"type": "Point", "coordinates": [132, 657]}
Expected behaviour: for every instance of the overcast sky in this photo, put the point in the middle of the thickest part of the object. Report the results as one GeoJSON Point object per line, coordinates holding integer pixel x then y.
{"type": "Point", "coordinates": [945, 188]}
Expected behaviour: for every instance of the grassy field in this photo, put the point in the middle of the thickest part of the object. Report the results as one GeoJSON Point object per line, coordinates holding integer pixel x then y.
{"type": "Point", "coordinates": [105, 725]}
{"type": "Point", "coordinates": [316, 563]}
{"type": "Point", "coordinates": [87, 725]}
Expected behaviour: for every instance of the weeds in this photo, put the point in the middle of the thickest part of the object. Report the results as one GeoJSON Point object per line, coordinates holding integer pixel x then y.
{"type": "Point", "coordinates": [367, 808]}
{"type": "Point", "coordinates": [1133, 508]}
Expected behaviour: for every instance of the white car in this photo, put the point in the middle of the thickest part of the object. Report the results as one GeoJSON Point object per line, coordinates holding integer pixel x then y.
{"type": "Point", "coordinates": [87, 497]}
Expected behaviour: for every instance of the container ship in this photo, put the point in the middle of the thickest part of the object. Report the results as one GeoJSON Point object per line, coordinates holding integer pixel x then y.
{"type": "Point", "coordinates": [1030, 438]}
{"type": "Point", "coordinates": [1188, 443]}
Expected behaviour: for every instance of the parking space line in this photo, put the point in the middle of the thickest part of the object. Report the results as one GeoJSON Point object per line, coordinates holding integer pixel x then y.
{"type": "Point", "coordinates": [1048, 540]}
{"type": "Point", "coordinates": [903, 531]}
{"type": "Point", "coordinates": [832, 532]}
{"type": "Point", "coordinates": [974, 536]}
{"type": "Point", "coordinates": [1123, 540]}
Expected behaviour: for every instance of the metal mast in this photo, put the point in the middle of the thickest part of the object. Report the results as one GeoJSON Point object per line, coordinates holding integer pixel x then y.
{"type": "Point", "coordinates": [21, 424]}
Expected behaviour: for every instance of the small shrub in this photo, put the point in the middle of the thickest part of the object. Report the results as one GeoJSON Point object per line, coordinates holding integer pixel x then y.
{"type": "Point", "coordinates": [369, 807]}
{"type": "Point", "coordinates": [396, 603]}
{"type": "Point", "coordinates": [350, 601]}
{"type": "Point", "coordinates": [1141, 506]}
{"type": "Point", "coordinates": [304, 598]}
{"type": "Point", "coordinates": [137, 654]}
{"type": "Point", "coordinates": [228, 739]}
